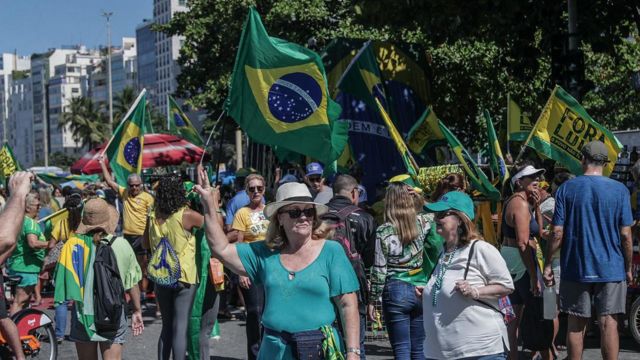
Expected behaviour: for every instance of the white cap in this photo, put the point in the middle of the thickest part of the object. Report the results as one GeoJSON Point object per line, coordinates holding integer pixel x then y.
{"type": "Point", "coordinates": [526, 171]}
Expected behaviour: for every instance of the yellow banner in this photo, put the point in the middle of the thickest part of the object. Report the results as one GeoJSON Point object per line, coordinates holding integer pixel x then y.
{"type": "Point", "coordinates": [518, 123]}
{"type": "Point", "coordinates": [564, 127]}
{"type": "Point", "coordinates": [7, 163]}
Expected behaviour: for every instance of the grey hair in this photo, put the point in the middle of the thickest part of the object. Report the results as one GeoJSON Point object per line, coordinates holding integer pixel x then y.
{"type": "Point", "coordinates": [31, 198]}
{"type": "Point", "coordinates": [45, 195]}
{"type": "Point", "coordinates": [133, 176]}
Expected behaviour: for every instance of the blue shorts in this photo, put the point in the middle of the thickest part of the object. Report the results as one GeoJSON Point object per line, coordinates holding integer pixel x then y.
{"type": "Point", "coordinates": [26, 279]}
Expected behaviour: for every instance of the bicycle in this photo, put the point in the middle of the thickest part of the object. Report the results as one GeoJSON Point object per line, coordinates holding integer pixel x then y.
{"type": "Point", "coordinates": [35, 329]}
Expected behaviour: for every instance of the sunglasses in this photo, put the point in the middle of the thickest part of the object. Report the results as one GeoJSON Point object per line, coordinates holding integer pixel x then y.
{"type": "Point", "coordinates": [256, 189]}
{"type": "Point", "coordinates": [444, 214]}
{"type": "Point", "coordinates": [315, 179]}
{"type": "Point", "coordinates": [296, 213]}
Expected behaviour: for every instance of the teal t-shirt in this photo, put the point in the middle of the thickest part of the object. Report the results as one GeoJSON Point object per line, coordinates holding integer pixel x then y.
{"type": "Point", "coordinates": [24, 258]}
{"type": "Point", "coordinates": [303, 302]}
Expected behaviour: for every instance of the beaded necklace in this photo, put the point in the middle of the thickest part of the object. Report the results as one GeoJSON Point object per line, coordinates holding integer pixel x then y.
{"type": "Point", "coordinates": [444, 265]}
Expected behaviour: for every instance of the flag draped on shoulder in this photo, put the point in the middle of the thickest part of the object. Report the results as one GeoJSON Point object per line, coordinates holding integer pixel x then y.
{"type": "Point", "coordinates": [125, 147]}
{"type": "Point", "coordinates": [518, 123]}
{"type": "Point", "coordinates": [477, 178]}
{"type": "Point", "coordinates": [74, 280]}
{"type": "Point", "coordinates": [425, 133]}
{"type": "Point", "coordinates": [179, 124]}
{"type": "Point", "coordinates": [407, 158]}
{"type": "Point", "coordinates": [8, 162]}
{"type": "Point", "coordinates": [279, 95]}
{"type": "Point", "coordinates": [496, 160]}
{"type": "Point", "coordinates": [564, 127]}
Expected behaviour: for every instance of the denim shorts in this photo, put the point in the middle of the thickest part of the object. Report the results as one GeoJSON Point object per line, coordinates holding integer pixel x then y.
{"type": "Point", "coordinates": [79, 334]}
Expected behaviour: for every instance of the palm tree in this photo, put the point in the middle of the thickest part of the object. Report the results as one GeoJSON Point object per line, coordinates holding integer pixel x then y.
{"type": "Point", "coordinates": [87, 124]}
{"type": "Point", "coordinates": [121, 104]}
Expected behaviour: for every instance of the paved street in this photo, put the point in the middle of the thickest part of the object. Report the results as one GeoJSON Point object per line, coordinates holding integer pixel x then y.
{"type": "Point", "coordinates": [231, 345]}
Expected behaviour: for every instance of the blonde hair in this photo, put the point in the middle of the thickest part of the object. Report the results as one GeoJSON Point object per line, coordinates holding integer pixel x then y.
{"type": "Point", "coordinates": [400, 211]}
{"type": "Point", "coordinates": [276, 238]}
{"type": "Point", "coordinates": [252, 177]}
{"type": "Point", "coordinates": [31, 198]}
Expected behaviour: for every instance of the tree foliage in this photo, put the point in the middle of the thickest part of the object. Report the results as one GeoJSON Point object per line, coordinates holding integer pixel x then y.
{"type": "Point", "coordinates": [88, 125]}
{"type": "Point", "coordinates": [480, 51]}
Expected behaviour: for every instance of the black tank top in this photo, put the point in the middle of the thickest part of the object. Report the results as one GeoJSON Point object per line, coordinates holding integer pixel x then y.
{"type": "Point", "coordinates": [510, 231]}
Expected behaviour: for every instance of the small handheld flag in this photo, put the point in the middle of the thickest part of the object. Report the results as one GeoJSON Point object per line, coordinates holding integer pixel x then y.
{"type": "Point", "coordinates": [496, 160]}
{"type": "Point", "coordinates": [180, 125]}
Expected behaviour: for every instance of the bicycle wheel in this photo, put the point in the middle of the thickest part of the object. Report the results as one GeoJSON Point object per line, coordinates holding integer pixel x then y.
{"type": "Point", "coordinates": [634, 320]}
{"type": "Point", "coordinates": [46, 348]}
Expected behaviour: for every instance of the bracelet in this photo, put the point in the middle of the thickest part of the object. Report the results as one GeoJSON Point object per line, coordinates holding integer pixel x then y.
{"type": "Point", "coordinates": [475, 293]}
{"type": "Point", "coordinates": [353, 350]}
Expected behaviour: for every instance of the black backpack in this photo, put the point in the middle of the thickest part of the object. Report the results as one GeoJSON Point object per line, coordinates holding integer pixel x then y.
{"type": "Point", "coordinates": [343, 233]}
{"type": "Point", "coordinates": [108, 291]}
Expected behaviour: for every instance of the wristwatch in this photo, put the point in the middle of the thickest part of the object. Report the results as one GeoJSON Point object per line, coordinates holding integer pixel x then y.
{"type": "Point", "coordinates": [354, 350]}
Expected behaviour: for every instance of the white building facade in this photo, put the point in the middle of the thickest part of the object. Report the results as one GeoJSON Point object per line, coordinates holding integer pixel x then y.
{"type": "Point", "coordinates": [167, 51]}
{"type": "Point", "coordinates": [9, 63]}
{"type": "Point", "coordinates": [20, 119]}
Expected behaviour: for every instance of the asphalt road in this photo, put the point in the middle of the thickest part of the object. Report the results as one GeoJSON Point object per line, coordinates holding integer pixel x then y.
{"type": "Point", "coordinates": [231, 345]}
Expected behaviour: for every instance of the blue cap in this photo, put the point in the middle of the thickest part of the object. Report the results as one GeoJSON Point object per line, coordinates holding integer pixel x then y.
{"type": "Point", "coordinates": [314, 168]}
{"type": "Point", "coordinates": [287, 179]}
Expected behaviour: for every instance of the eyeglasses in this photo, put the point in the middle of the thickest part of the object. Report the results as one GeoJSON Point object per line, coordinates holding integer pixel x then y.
{"type": "Point", "coordinates": [315, 179]}
{"type": "Point", "coordinates": [296, 213]}
{"type": "Point", "coordinates": [253, 189]}
{"type": "Point", "coordinates": [444, 214]}
{"type": "Point", "coordinates": [134, 185]}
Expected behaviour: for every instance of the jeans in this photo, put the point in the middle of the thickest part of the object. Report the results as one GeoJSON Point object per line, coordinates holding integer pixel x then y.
{"type": "Point", "coordinates": [61, 319]}
{"type": "Point", "coordinates": [254, 303]}
{"type": "Point", "coordinates": [402, 311]}
{"type": "Point", "coordinates": [500, 356]}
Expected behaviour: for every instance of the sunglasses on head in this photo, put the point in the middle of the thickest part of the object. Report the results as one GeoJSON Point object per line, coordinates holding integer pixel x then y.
{"type": "Point", "coordinates": [296, 213]}
{"type": "Point", "coordinates": [256, 189]}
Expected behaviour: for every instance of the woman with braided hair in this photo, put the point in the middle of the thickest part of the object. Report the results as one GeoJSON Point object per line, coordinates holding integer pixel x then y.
{"type": "Point", "coordinates": [172, 265]}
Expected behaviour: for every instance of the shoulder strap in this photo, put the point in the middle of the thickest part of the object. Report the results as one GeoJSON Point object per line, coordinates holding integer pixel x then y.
{"type": "Point", "coordinates": [471, 250]}
{"type": "Point", "coordinates": [491, 306]}
{"type": "Point", "coordinates": [346, 211]}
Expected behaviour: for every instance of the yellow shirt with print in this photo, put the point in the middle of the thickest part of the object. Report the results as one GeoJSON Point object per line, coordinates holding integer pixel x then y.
{"type": "Point", "coordinates": [136, 211]}
{"type": "Point", "coordinates": [253, 224]}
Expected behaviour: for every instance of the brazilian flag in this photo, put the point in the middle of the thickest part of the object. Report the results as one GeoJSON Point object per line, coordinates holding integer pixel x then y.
{"type": "Point", "coordinates": [476, 176]}
{"type": "Point", "coordinates": [279, 95]}
{"type": "Point", "coordinates": [126, 145]}
{"type": "Point", "coordinates": [425, 133]}
{"type": "Point", "coordinates": [362, 78]}
{"type": "Point", "coordinates": [58, 180]}
{"type": "Point", "coordinates": [496, 160]}
{"type": "Point", "coordinates": [180, 125]}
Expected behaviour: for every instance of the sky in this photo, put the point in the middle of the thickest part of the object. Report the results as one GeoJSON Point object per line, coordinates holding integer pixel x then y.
{"type": "Point", "coordinates": [32, 26]}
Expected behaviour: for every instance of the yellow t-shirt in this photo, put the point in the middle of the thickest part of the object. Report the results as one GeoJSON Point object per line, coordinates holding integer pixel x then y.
{"type": "Point", "coordinates": [136, 211]}
{"type": "Point", "coordinates": [182, 242]}
{"type": "Point", "coordinates": [253, 224]}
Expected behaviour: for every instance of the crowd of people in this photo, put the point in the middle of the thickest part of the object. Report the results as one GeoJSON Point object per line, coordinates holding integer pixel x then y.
{"type": "Point", "coordinates": [311, 260]}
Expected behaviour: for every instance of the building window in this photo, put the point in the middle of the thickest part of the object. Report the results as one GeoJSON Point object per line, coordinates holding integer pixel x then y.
{"type": "Point", "coordinates": [182, 2]}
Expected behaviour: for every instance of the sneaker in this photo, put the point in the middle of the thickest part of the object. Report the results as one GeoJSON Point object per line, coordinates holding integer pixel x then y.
{"type": "Point", "coordinates": [59, 340]}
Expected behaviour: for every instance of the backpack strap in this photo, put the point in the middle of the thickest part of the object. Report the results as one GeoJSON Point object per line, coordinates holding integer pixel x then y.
{"type": "Point", "coordinates": [346, 211]}
{"type": "Point", "coordinates": [108, 240]}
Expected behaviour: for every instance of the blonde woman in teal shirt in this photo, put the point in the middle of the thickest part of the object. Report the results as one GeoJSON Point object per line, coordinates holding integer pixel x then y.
{"type": "Point", "coordinates": [303, 276]}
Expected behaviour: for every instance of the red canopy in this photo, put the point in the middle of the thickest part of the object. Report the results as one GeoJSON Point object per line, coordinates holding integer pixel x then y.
{"type": "Point", "coordinates": [159, 150]}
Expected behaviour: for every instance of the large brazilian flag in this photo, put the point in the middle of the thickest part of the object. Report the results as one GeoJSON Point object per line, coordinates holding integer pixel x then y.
{"type": "Point", "coordinates": [126, 145]}
{"type": "Point", "coordinates": [279, 95]}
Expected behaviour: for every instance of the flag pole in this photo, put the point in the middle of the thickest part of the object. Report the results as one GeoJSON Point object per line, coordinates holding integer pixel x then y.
{"type": "Point", "coordinates": [220, 151]}
{"type": "Point", "coordinates": [213, 129]}
{"type": "Point", "coordinates": [61, 211]}
{"type": "Point", "coordinates": [533, 129]}
{"type": "Point", "coordinates": [508, 121]}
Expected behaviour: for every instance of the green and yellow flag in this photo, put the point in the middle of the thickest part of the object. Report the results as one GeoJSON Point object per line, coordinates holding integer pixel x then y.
{"type": "Point", "coordinates": [78, 180]}
{"type": "Point", "coordinates": [564, 127]}
{"type": "Point", "coordinates": [477, 178]}
{"type": "Point", "coordinates": [279, 95]}
{"type": "Point", "coordinates": [8, 162]}
{"type": "Point", "coordinates": [362, 77]}
{"type": "Point", "coordinates": [180, 125]}
{"type": "Point", "coordinates": [496, 160]}
{"type": "Point", "coordinates": [409, 161]}
{"type": "Point", "coordinates": [518, 124]}
{"type": "Point", "coordinates": [425, 133]}
{"type": "Point", "coordinates": [125, 147]}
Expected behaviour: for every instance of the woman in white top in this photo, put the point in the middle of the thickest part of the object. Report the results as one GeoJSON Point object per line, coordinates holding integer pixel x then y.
{"type": "Point", "coordinates": [456, 324]}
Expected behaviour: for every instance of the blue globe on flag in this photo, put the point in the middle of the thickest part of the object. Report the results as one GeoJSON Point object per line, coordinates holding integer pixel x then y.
{"type": "Point", "coordinates": [178, 120]}
{"type": "Point", "coordinates": [294, 97]}
{"type": "Point", "coordinates": [132, 151]}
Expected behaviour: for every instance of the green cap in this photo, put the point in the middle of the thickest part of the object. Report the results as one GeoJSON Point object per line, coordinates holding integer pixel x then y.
{"type": "Point", "coordinates": [456, 200]}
